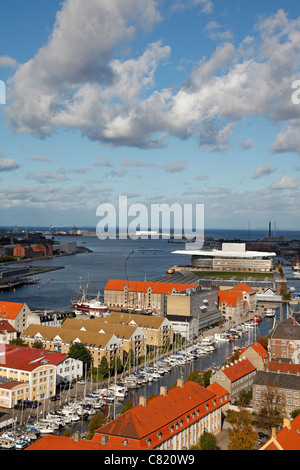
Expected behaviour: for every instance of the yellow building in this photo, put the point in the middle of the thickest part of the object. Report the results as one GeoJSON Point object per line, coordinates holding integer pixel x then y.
{"type": "Point", "coordinates": [61, 339]}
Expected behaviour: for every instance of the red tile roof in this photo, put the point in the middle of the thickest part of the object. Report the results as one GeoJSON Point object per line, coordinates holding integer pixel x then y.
{"type": "Point", "coordinates": [142, 286]}
{"type": "Point", "coordinates": [160, 415]}
{"type": "Point", "coordinates": [24, 358]}
{"type": "Point", "coordinates": [6, 326]}
{"type": "Point", "coordinates": [239, 369]}
{"type": "Point", "coordinates": [284, 367]}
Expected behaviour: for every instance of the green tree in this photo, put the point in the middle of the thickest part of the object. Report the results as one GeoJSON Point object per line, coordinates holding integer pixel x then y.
{"type": "Point", "coordinates": [96, 422]}
{"type": "Point", "coordinates": [103, 367]}
{"type": "Point", "coordinates": [208, 441]}
{"type": "Point", "coordinates": [37, 345]}
{"type": "Point", "coordinates": [80, 352]}
{"type": "Point", "coordinates": [128, 406]}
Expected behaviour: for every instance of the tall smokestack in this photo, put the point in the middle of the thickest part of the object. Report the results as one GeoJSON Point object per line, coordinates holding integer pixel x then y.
{"type": "Point", "coordinates": [269, 229]}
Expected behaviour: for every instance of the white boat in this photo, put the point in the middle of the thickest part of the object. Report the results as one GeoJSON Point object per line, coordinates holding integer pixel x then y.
{"type": "Point", "coordinates": [94, 306]}
{"type": "Point", "coordinates": [250, 324]}
{"type": "Point", "coordinates": [270, 312]}
{"type": "Point", "coordinates": [7, 443]}
{"type": "Point", "coordinates": [222, 337]}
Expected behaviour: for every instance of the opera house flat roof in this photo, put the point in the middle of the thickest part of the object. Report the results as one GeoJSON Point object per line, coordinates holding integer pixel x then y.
{"type": "Point", "coordinates": [225, 254]}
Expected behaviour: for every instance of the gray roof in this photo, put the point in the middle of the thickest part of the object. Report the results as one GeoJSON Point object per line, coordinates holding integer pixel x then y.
{"type": "Point", "coordinates": [274, 379]}
{"type": "Point", "coordinates": [286, 329]}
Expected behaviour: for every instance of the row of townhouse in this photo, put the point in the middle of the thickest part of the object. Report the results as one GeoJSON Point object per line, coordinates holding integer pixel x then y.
{"type": "Point", "coordinates": [110, 337]}
{"type": "Point", "coordinates": [33, 374]}
{"type": "Point", "coordinates": [173, 420]}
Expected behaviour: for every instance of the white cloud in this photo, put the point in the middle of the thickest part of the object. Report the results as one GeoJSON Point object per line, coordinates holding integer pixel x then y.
{"type": "Point", "coordinates": [116, 101]}
{"type": "Point", "coordinates": [263, 170]}
{"type": "Point", "coordinates": [176, 166]}
{"type": "Point", "coordinates": [8, 164]}
{"type": "Point", "coordinates": [286, 182]}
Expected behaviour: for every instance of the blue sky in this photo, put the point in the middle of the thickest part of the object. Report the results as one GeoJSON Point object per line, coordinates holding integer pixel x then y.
{"type": "Point", "coordinates": [183, 102]}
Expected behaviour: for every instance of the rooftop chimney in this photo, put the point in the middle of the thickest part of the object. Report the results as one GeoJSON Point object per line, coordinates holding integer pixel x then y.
{"type": "Point", "coordinates": [180, 383]}
{"type": "Point", "coordinates": [143, 401]}
{"type": "Point", "coordinates": [287, 423]}
{"type": "Point", "coordinates": [76, 437]}
{"type": "Point", "coordinates": [164, 391]}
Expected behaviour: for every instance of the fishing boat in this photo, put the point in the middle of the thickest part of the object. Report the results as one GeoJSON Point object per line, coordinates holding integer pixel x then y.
{"type": "Point", "coordinates": [84, 304]}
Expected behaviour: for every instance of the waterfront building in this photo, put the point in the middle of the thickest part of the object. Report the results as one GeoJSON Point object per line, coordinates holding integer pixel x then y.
{"type": "Point", "coordinates": [173, 420]}
{"type": "Point", "coordinates": [26, 374]}
{"type": "Point", "coordinates": [61, 339]}
{"type": "Point", "coordinates": [186, 326]}
{"type": "Point", "coordinates": [157, 330]}
{"type": "Point", "coordinates": [17, 314]}
{"type": "Point", "coordinates": [199, 303]}
{"type": "Point", "coordinates": [132, 336]}
{"type": "Point", "coordinates": [231, 306]}
{"type": "Point", "coordinates": [285, 386]}
{"type": "Point", "coordinates": [140, 295]}
{"type": "Point", "coordinates": [284, 340]}
{"type": "Point", "coordinates": [235, 377]}
{"type": "Point", "coordinates": [233, 257]}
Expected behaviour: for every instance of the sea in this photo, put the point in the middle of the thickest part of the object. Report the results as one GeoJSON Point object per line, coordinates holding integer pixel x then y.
{"type": "Point", "coordinates": [112, 259]}
{"type": "Point", "coordinates": [136, 260]}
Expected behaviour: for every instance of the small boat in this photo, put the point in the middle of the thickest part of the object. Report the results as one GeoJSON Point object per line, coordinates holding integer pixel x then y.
{"type": "Point", "coordinates": [7, 443]}
{"type": "Point", "coordinates": [270, 312]}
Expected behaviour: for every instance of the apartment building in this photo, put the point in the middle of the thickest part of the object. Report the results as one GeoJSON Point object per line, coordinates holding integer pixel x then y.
{"type": "Point", "coordinates": [140, 295]}
{"type": "Point", "coordinates": [60, 339]}
{"type": "Point", "coordinates": [157, 330]}
{"type": "Point", "coordinates": [26, 373]}
{"type": "Point", "coordinates": [287, 438]}
{"type": "Point", "coordinates": [173, 420]}
{"type": "Point", "coordinates": [285, 385]}
{"type": "Point", "coordinates": [284, 340]}
{"type": "Point", "coordinates": [132, 336]}
{"type": "Point", "coordinates": [236, 377]}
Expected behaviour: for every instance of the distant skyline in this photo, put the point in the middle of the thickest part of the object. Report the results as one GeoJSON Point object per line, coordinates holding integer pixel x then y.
{"type": "Point", "coordinates": [185, 102]}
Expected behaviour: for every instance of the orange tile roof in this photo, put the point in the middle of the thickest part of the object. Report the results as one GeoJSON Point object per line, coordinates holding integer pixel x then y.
{"type": "Point", "coordinates": [257, 347]}
{"type": "Point", "coordinates": [142, 286]}
{"type": "Point", "coordinates": [28, 359]}
{"type": "Point", "coordinates": [9, 310]}
{"type": "Point", "coordinates": [286, 439]}
{"type": "Point", "coordinates": [229, 297]}
{"type": "Point", "coordinates": [146, 422]}
{"type": "Point", "coordinates": [52, 442]}
{"type": "Point", "coordinates": [243, 287]}
{"type": "Point", "coordinates": [239, 369]}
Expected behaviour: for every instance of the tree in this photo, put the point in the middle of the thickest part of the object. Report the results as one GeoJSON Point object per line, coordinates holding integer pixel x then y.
{"type": "Point", "coordinates": [103, 367]}
{"type": "Point", "coordinates": [242, 435]}
{"type": "Point", "coordinates": [273, 410]}
{"type": "Point", "coordinates": [80, 352]}
{"type": "Point", "coordinates": [96, 422]}
{"type": "Point", "coordinates": [128, 406]}
{"type": "Point", "coordinates": [38, 345]}
{"type": "Point", "coordinates": [197, 377]}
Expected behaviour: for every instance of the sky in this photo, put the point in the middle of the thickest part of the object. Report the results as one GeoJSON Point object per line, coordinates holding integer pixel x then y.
{"type": "Point", "coordinates": [165, 102]}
